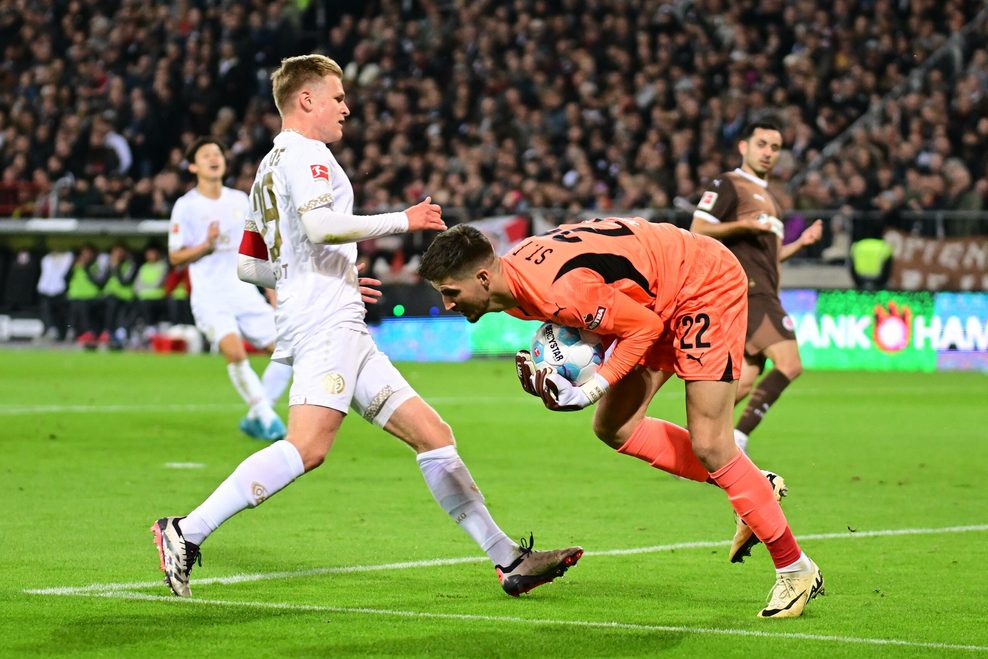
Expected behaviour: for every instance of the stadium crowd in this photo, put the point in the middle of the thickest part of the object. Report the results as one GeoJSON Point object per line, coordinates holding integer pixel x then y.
{"type": "Point", "coordinates": [495, 107]}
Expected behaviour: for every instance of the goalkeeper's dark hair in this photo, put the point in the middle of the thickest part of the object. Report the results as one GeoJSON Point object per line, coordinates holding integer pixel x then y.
{"type": "Point", "coordinates": [190, 153]}
{"type": "Point", "coordinates": [454, 251]}
{"type": "Point", "coordinates": [763, 123]}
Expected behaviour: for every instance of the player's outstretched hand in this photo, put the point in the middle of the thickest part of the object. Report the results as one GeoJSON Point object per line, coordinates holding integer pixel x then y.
{"type": "Point", "coordinates": [425, 216]}
{"type": "Point", "coordinates": [812, 233]}
{"type": "Point", "coordinates": [367, 286]}
{"type": "Point", "coordinates": [525, 369]}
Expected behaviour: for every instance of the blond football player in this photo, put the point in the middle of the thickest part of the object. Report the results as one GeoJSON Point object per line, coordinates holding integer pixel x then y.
{"type": "Point", "coordinates": [301, 241]}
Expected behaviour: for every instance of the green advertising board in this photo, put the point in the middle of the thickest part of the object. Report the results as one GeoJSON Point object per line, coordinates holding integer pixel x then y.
{"type": "Point", "coordinates": [844, 330]}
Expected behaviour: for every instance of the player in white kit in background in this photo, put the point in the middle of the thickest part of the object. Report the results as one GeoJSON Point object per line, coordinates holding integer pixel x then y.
{"type": "Point", "coordinates": [205, 232]}
{"type": "Point", "coordinates": [301, 240]}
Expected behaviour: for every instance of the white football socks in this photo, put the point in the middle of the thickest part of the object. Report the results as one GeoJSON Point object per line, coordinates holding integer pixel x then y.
{"type": "Point", "coordinates": [275, 380]}
{"type": "Point", "coordinates": [741, 439]}
{"type": "Point", "coordinates": [451, 484]}
{"type": "Point", "coordinates": [257, 478]}
{"type": "Point", "coordinates": [248, 385]}
{"type": "Point", "coordinates": [802, 564]}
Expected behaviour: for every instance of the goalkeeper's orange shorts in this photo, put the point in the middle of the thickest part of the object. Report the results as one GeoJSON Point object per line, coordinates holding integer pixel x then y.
{"type": "Point", "coordinates": [706, 331]}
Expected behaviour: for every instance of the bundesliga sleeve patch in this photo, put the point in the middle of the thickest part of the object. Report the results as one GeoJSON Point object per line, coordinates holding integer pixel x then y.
{"type": "Point", "coordinates": [593, 320]}
{"type": "Point", "coordinates": [707, 201]}
{"type": "Point", "coordinates": [319, 172]}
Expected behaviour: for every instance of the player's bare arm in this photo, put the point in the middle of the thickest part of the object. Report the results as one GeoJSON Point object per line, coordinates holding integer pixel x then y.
{"type": "Point", "coordinates": [722, 230]}
{"type": "Point", "coordinates": [810, 235]}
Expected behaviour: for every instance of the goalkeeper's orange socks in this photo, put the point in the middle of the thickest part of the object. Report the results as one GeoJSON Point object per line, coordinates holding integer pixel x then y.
{"type": "Point", "coordinates": [754, 501]}
{"type": "Point", "coordinates": [665, 446]}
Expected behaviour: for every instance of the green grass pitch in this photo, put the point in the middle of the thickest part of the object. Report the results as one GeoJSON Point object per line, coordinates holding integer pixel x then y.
{"type": "Point", "coordinates": [349, 559]}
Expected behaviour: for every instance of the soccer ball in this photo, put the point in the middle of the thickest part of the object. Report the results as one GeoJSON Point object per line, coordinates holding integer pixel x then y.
{"type": "Point", "coordinates": [575, 354]}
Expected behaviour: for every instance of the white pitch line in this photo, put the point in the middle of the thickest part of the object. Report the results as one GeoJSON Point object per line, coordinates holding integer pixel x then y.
{"type": "Point", "coordinates": [263, 576]}
{"type": "Point", "coordinates": [14, 410]}
{"type": "Point", "coordinates": [546, 622]}
{"type": "Point", "coordinates": [702, 544]}
{"type": "Point", "coordinates": [294, 574]}
{"type": "Point", "coordinates": [25, 410]}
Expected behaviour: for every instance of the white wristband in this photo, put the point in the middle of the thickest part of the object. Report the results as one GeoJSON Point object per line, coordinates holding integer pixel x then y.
{"type": "Point", "coordinates": [595, 388]}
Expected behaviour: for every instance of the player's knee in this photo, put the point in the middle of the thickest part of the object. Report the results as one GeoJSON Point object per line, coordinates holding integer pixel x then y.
{"type": "Point", "coordinates": [424, 431]}
{"type": "Point", "coordinates": [613, 437]}
{"type": "Point", "coordinates": [312, 459]}
{"type": "Point", "coordinates": [713, 453]}
{"type": "Point", "coordinates": [438, 435]}
{"type": "Point", "coordinates": [312, 453]}
{"type": "Point", "coordinates": [791, 369]}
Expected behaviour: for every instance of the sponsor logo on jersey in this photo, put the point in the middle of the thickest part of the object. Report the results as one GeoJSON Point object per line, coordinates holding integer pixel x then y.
{"type": "Point", "coordinates": [708, 200]}
{"type": "Point", "coordinates": [593, 321]}
{"type": "Point", "coordinates": [319, 172]}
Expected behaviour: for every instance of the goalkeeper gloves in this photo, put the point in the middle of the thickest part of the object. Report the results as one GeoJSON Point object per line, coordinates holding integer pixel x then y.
{"type": "Point", "coordinates": [561, 395]}
{"type": "Point", "coordinates": [525, 369]}
{"type": "Point", "coordinates": [557, 393]}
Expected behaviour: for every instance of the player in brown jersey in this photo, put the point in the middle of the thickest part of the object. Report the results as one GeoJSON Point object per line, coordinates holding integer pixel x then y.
{"type": "Point", "coordinates": [740, 210]}
{"type": "Point", "coordinates": [674, 302]}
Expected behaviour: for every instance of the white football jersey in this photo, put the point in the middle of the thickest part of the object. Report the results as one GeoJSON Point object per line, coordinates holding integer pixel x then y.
{"type": "Point", "coordinates": [214, 276]}
{"type": "Point", "coordinates": [316, 284]}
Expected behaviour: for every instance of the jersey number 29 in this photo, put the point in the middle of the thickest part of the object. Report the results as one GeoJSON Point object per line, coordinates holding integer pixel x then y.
{"type": "Point", "coordinates": [263, 201]}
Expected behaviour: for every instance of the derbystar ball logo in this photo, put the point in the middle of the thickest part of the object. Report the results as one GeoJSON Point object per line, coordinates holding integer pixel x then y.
{"type": "Point", "coordinates": [319, 172]}
{"type": "Point", "coordinates": [593, 321]}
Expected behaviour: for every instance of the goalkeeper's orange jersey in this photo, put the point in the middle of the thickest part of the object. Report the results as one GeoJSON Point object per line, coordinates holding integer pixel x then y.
{"type": "Point", "coordinates": [674, 300]}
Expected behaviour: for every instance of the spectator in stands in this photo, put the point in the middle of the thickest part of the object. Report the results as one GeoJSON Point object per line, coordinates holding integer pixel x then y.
{"type": "Point", "coordinates": [104, 124]}
{"type": "Point", "coordinates": [628, 104]}
{"type": "Point", "coordinates": [960, 195]}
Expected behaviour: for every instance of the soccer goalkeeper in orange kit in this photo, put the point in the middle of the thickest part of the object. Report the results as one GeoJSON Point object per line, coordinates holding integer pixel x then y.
{"type": "Point", "coordinates": [674, 302]}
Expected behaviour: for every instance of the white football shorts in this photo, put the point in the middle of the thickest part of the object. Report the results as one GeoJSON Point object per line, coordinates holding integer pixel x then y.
{"type": "Point", "coordinates": [342, 369]}
{"type": "Point", "coordinates": [252, 319]}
